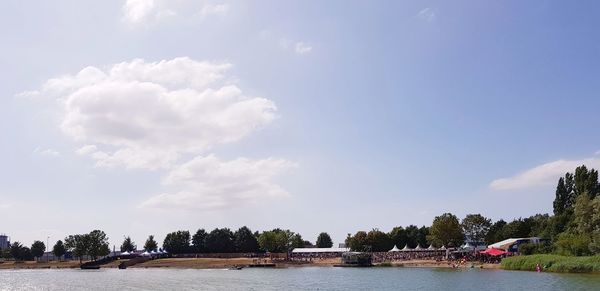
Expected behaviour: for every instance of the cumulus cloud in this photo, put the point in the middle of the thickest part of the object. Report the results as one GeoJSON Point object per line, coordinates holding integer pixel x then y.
{"type": "Point", "coordinates": [426, 14]}
{"type": "Point", "coordinates": [155, 115]}
{"type": "Point", "coordinates": [137, 12]}
{"type": "Point", "coordinates": [543, 175]}
{"type": "Point", "coordinates": [206, 182]}
{"type": "Point", "coordinates": [147, 114]}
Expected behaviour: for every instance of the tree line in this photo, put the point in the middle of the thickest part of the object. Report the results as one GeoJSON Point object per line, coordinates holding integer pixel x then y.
{"type": "Point", "coordinates": [573, 229]}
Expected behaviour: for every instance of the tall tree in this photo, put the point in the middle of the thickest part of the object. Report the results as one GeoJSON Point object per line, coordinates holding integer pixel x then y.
{"type": "Point", "coordinates": [422, 236]}
{"type": "Point", "coordinates": [78, 244]}
{"type": "Point", "coordinates": [59, 250]}
{"type": "Point", "coordinates": [446, 230]}
{"type": "Point", "coordinates": [198, 241]}
{"type": "Point", "coordinates": [276, 240]}
{"type": "Point", "coordinates": [378, 241]}
{"type": "Point", "coordinates": [583, 212]}
{"type": "Point", "coordinates": [37, 249]}
{"type": "Point", "coordinates": [150, 244]}
{"type": "Point", "coordinates": [128, 245]}
{"type": "Point", "coordinates": [476, 227]}
{"type": "Point", "coordinates": [245, 242]}
{"type": "Point", "coordinates": [177, 242]}
{"type": "Point", "coordinates": [412, 236]}
{"type": "Point", "coordinates": [398, 236]}
{"type": "Point", "coordinates": [98, 244]}
{"type": "Point", "coordinates": [298, 242]}
{"type": "Point", "coordinates": [324, 240]}
{"type": "Point", "coordinates": [561, 200]}
{"type": "Point", "coordinates": [16, 250]}
{"type": "Point", "coordinates": [220, 240]}
{"type": "Point", "coordinates": [358, 241]}
{"type": "Point", "coordinates": [495, 233]}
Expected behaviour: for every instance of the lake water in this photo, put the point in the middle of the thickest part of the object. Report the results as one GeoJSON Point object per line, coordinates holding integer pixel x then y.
{"type": "Point", "coordinates": [307, 278]}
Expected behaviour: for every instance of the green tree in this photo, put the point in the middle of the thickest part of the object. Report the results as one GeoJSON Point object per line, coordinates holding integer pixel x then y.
{"type": "Point", "coordinates": [198, 241]}
{"type": "Point", "coordinates": [37, 249]}
{"type": "Point", "coordinates": [324, 240]}
{"type": "Point", "coordinates": [16, 250]}
{"type": "Point", "coordinates": [78, 244]}
{"type": "Point", "coordinates": [150, 244]}
{"type": "Point", "coordinates": [476, 227]}
{"type": "Point", "coordinates": [98, 244]}
{"type": "Point", "coordinates": [128, 245]}
{"type": "Point", "coordinates": [422, 236]}
{"type": "Point", "coordinates": [495, 233]}
{"type": "Point", "coordinates": [276, 241]}
{"type": "Point", "coordinates": [446, 230]}
{"type": "Point", "coordinates": [358, 242]}
{"type": "Point", "coordinates": [298, 242]}
{"type": "Point", "coordinates": [561, 200]}
{"type": "Point", "coordinates": [177, 242]}
{"type": "Point", "coordinates": [398, 236]}
{"type": "Point", "coordinates": [378, 241]}
{"type": "Point", "coordinates": [245, 241]}
{"type": "Point", "coordinates": [412, 236]}
{"type": "Point", "coordinates": [573, 244]}
{"type": "Point", "coordinates": [59, 250]}
{"type": "Point", "coordinates": [582, 215]}
{"type": "Point", "coordinates": [220, 240]}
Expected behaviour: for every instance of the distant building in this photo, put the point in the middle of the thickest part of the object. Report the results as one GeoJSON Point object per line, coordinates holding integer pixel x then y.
{"type": "Point", "coordinates": [4, 242]}
{"type": "Point", "coordinates": [342, 246]}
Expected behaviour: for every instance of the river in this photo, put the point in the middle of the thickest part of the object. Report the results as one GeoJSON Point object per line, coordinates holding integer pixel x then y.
{"type": "Point", "coordinates": [306, 278]}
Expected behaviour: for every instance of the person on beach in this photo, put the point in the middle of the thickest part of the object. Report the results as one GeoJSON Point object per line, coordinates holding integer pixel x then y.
{"type": "Point", "coordinates": [538, 268]}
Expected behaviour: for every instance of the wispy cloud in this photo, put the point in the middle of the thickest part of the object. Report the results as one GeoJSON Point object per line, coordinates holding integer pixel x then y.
{"type": "Point", "coordinates": [299, 47]}
{"type": "Point", "coordinates": [46, 152]}
{"type": "Point", "coordinates": [543, 175]}
{"type": "Point", "coordinates": [302, 48]}
{"type": "Point", "coordinates": [426, 14]}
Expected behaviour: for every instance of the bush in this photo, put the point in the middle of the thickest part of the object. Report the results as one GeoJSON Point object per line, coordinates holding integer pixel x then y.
{"type": "Point", "coordinates": [553, 263]}
{"type": "Point", "coordinates": [531, 249]}
{"type": "Point", "coordinates": [573, 244]}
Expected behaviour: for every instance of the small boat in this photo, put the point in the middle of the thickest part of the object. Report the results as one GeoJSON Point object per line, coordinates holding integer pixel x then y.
{"type": "Point", "coordinates": [236, 268]}
{"type": "Point", "coordinates": [90, 267]}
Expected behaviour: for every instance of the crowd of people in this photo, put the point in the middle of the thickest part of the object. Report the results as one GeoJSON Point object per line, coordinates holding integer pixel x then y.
{"type": "Point", "coordinates": [381, 257]}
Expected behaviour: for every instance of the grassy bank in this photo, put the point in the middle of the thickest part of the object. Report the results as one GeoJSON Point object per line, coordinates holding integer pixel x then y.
{"type": "Point", "coordinates": [553, 263]}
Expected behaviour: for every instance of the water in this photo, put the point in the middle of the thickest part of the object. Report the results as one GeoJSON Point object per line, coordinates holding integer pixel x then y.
{"type": "Point", "coordinates": [309, 278]}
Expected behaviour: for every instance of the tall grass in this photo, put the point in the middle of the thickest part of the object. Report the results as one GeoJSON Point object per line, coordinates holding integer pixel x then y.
{"type": "Point", "coordinates": [553, 263]}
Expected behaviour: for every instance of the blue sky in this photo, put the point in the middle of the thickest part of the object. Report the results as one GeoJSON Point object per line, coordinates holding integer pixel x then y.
{"type": "Point", "coordinates": [316, 116]}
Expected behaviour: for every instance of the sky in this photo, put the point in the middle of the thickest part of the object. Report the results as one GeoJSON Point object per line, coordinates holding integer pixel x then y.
{"type": "Point", "coordinates": [144, 117]}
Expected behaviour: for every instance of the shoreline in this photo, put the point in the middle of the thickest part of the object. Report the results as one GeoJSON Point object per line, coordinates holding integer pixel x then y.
{"type": "Point", "coordinates": [217, 263]}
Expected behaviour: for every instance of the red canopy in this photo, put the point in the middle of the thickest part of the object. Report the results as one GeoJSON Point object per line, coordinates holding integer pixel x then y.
{"type": "Point", "coordinates": [493, 252]}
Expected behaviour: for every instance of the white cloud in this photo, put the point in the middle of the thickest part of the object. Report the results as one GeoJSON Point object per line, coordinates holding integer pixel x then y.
{"type": "Point", "coordinates": [298, 47]}
{"type": "Point", "coordinates": [208, 183]}
{"type": "Point", "coordinates": [214, 9]}
{"type": "Point", "coordinates": [302, 48]}
{"type": "Point", "coordinates": [543, 175]}
{"type": "Point", "coordinates": [138, 12]}
{"type": "Point", "coordinates": [46, 152]}
{"type": "Point", "coordinates": [154, 115]}
{"type": "Point", "coordinates": [427, 14]}
{"type": "Point", "coordinates": [146, 115]}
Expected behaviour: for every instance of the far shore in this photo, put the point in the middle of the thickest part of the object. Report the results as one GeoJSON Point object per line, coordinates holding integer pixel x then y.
{"type": "Point", "coordinates": [220, 263]}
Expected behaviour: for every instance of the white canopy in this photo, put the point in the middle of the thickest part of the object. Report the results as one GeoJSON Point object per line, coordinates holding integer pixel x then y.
{"type": "Point", "coordinates": [406, 248]}
{"type": "Point", "coordinates": [432, 248]}
{"type": "Point", "coordinates": [125, 253]}
{"type": "Point", "coordinates": [146, 254]}
{"type": "Point", "coordinates": [395, 249]}
{"type": "Point", "coordinates": [419, 247]}
{"type": "Point", "coordinates": [443, 248]}
{"type": "Point", "coordinates": [320, 250]}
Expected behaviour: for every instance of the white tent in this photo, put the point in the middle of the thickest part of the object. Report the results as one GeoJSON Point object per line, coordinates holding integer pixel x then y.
{"type": "Point", "coordinates": [146, 254]}
{"type": "Point", "coordinates": [406, 248]}
{"type": "Point", "coordinates": [125, 253]}
{"type": "Point", "coordinates": [395, 249]}
{"type": "Point", "coordinates": [443, 248]}
{"type": "Point", "coordinates": [432, 248]}
{"type": "Point", "coordinates": [419, 248]}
